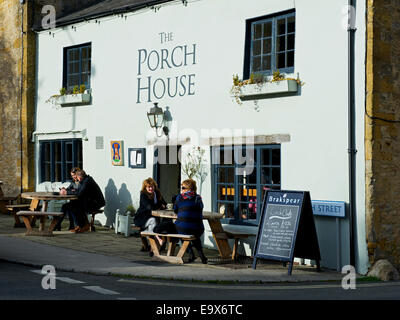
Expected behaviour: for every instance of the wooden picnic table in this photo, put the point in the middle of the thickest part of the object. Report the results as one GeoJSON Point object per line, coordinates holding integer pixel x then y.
{"type": "Point", "coordinates": [45, 197]}
{"type": "Point", "coordinates": [219, 234]}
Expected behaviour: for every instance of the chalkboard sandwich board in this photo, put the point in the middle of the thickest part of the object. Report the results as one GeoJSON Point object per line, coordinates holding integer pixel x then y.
{"type": "Point", "coordinates": [287, 228]}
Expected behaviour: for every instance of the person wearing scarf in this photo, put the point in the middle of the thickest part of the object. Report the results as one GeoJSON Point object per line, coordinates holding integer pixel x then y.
{"type": "Point", "coordinates": [189, 207]}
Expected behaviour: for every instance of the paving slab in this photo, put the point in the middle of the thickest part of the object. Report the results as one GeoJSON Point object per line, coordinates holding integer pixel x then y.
{"type": "Point", "coordinates": [104, 252]}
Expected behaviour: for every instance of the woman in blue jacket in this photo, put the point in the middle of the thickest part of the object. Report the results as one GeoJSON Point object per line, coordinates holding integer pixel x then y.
{"type": "Point", "coordinates": [189, 207]}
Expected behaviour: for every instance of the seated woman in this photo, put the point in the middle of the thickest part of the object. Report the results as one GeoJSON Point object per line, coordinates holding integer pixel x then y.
{"type": "Point", "coordinates": [150, 199]}
{"type": "Point", "coordinates": [189, 207]}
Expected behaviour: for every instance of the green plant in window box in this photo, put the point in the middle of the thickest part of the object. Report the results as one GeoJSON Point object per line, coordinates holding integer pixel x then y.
{"type": "Point", "coordinates": [75, 90]}
{"type": "Point", "coordinates": [260, 80]}
{"type": "Point", "coordinates": [82, 88]}
{"type": "Point", "coordinates": [63, 91]}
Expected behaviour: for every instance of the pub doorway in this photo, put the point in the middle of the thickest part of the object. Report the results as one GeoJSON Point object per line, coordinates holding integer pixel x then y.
{"type": "Point", "coordinates": [167, 170]}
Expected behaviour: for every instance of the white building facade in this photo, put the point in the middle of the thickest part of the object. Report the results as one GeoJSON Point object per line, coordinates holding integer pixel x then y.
{"type": "Point", "coordinates": [183, 56]}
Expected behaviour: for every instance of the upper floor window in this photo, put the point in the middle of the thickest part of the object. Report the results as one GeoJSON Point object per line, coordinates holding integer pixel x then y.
{"type": "Point", "coordinates": [77, 66]}
{"type": "Point", "coordinates": [270, 44]}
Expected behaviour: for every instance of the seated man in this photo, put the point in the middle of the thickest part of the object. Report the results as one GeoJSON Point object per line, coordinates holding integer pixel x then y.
{"type": "Point", "coordinates": [67, 207]}
{"type": "Point", "coordinates": [90, 198]}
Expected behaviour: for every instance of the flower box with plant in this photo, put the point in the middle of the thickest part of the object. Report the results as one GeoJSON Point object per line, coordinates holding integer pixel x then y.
{"type": "Point", "coordinates": [78, 96]}
{"type": "Point", "coordinates": [258, 86]}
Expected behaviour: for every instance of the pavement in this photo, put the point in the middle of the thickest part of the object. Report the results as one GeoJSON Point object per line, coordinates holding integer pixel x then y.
{"type": "Point", "coordinates": [104, 252]}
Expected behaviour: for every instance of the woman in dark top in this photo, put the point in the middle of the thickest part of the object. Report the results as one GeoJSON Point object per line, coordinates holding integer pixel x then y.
{"type": "Point", "coordinates": [189, 207]}
{"type": "Point", "coordinates": [150, 199]}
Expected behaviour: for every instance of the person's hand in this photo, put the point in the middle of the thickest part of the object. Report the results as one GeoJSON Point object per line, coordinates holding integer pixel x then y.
{"type": "Point", "coordinates": [63, 191]}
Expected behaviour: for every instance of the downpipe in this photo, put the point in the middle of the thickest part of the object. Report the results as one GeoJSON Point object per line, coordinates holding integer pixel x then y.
{"type": "Point", "coordinates": [351, 130]}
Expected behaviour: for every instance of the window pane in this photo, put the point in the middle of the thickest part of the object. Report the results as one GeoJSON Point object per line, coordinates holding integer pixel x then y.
{"type": "Point", "coordinates": [248, 210]}
{"type": "Point", "coordinates": [290, 42]}
{"type": "Point", "coordinates": [226, 192]}
{"type": "Point", "coordinates": [257, 31]}
{"type": "Point", "coordinates": [73, 67]}
{"type": "Point", "coordinates": [73, 55]}
{"type": "Point", "coordinates": [225, 156]}
{"type": "Point", "coordinates": [226, 175]}
{"type": "Point", "coordinates": [276, 157]}
{"type": "Point", "coordinates": [79, 153]}
{"type": "Point", "coordinates": [281, 44]}
{"type": "Point", "coordinates": [73, 80]}
{"type": "Point", "coordinates": [68, 168]}
{"type": "Point", "coordinates": [86, 52]}
{"type": "Point", "coordinates": [265, 156]}
{"type": "Point", "coordinates": [267, 46]}
{"type": "Point", "coordinates": [227, 209]}
{"type": "Point", "coordinates": [276, 176]}
{"type": "Point", "coordinates": [57, 151]}
{"type": "Point", "coordinates": [266, 175]}
{"type": "Point", "coordinates": [86, 66]}
{"type": "Point", "coordinates": [280, 60]}
{"type": "Point", "coordinates": [290, 59]}
{"type": "Point", "coordinates": [247, 176]}
{"type": "Point", "coordinates": [256, 48]}
{"type": "Point", "coordinates": [57, 176]}
{"type": "Point", "coordinates": [281, 26]}
{"type": "Point", "coordinates": [85, 80]}
{"type": "Point", "coordinates": [47, 172]}
{"type": "Point", "coordinates": [267, 29]}
{"type": "Point", "coordinates": [266, 63]}
{"type": "Point", "coordinates": [68, 152]}
{"type": "Point", "coordinates": [46, 152]}
{"type": "Point", "coordinates": [256, 64]}
{"type": "Point", "coordinates": [291, 26]}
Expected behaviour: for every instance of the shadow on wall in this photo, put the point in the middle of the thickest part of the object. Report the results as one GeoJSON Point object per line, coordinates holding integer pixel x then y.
{"type": "Point", "coordinates": [115, 200]}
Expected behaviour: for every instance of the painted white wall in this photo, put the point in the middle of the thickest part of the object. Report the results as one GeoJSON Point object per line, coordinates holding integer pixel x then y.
{"type": "Point", "coordinates": [315, 159]}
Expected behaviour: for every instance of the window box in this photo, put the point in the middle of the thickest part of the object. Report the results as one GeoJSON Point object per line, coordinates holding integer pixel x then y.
{"type": "Point", "coordinates": [73, 99]}
{"type": "Point", "coordinates": [264, 90]}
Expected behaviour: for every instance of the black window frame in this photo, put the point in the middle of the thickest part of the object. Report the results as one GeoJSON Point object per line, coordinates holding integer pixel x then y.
{"type": "Point", "coordinates": [50, 164]}
{"type": "Point", "coordinates": [273, 18]}
{"type": "Point", "coordinates": [259, 184]}
{"type": "Point", "coordinates": [67, 62]}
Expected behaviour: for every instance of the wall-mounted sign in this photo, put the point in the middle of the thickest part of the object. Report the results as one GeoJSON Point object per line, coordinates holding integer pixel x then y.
{"type": "Point", "coordinates": [177, 59]}
{"type": "Point", "coordinates": [329, 208]}
{"type": "Point", "coordinates": [137, 157]}
{"type": "Point", "coordinates": [117, 153]}
{"type": "Point", "coordinates": [287, 228]}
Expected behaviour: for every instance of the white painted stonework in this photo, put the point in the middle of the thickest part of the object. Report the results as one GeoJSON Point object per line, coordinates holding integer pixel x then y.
{"type": "Point", "coordinates": [205, 47]}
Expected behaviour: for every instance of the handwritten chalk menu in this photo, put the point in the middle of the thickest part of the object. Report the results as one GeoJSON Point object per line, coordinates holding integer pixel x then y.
{"type": "Point", "coordinates": [287, 228]}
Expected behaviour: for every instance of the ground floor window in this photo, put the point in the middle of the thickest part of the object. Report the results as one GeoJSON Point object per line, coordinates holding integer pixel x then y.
{"type": "Point", "coordinates": [241, 176]}
{"type": "Point", "coordinates": [58, 157]}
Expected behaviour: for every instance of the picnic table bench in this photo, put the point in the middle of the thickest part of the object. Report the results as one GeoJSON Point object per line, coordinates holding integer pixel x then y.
{"type": "Point", "coordinates": [43, 231]}
{"type": "Point", "coordinates": [172, 240]}
{"type": "Point", "coordinates": [93, 214]}
{"type": "Point", "coordinates": [13, 209]}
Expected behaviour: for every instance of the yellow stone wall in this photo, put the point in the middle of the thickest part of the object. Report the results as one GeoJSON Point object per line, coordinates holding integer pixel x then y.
{"type": "Point", "coordinates": [382, 131]}
{"type": "Point", "coordinates": [16, 107]}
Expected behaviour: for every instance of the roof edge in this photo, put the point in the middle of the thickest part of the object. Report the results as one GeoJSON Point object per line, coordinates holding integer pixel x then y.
{"type": "Point", "coordinates": [128, 8]}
